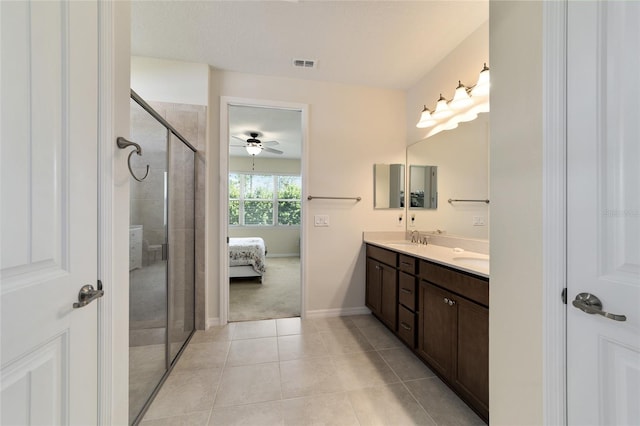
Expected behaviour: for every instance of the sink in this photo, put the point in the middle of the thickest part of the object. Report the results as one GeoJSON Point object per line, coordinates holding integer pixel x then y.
{"type": "Point", "coordinates": [473, 261]}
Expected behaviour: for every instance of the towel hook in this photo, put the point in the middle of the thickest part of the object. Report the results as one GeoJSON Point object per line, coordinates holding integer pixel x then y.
{"type": "Point", "coordinates": [122, 144]}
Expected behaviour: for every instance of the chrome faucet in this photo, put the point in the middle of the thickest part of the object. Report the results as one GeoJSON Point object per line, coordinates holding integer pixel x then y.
{"type": "Point", "coordinates": [415, 237]}
{"type": "Point", "coordinates": [425, 240]}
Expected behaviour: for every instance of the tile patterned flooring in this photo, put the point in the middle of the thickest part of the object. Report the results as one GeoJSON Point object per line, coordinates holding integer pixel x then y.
{"type": "Point", "coordinates": [330, 371]}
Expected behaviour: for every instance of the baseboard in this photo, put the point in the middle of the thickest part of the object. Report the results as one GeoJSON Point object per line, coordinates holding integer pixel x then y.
{"type": "Point", "coordinates": [283, 255]}
{"type": "Point", "coordinates": [213, 322]}
{"type": "Point", "coordinates": [339, 312]}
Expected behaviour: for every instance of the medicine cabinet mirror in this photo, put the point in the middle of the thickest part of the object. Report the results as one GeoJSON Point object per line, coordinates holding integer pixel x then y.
{"type": "Point", "coordinates": [423, 187]}
{"type": "Point", "coordinates": [388, 186]}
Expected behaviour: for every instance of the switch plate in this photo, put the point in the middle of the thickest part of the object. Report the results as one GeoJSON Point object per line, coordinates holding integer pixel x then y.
{"type": "Point", "coordinates": [321, 220]}
{"type": "Point", "coordinates": [478, 221]}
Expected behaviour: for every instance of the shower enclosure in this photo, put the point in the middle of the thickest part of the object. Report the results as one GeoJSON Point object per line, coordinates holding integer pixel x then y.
{"type": "Point", "coordinates": [161, 250]}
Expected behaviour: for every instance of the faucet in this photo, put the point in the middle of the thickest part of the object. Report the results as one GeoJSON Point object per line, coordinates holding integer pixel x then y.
{"type": "Point", "coordinates": [425, 240]}
{"type": "Point", "coordinates": [415, 237]}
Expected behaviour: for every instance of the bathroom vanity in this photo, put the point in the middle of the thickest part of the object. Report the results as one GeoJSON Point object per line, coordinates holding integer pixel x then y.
{"type": "Point", "coordinates": [436, 300]}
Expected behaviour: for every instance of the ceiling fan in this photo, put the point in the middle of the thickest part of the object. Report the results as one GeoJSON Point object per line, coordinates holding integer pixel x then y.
{"type": "Point", "coordinates": [254, 146]}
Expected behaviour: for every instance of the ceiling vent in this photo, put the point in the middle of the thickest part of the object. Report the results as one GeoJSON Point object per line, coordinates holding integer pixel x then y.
{"type": "Point", "coordinates": [305, 63]}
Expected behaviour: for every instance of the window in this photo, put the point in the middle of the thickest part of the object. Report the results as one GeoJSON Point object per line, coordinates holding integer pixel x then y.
{"type": "Point", "coordinates": [264, 200]}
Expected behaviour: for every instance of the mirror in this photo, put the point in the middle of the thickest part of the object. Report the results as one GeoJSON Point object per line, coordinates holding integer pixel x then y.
{"type": "Point", "coordinates": [461, 157]}
{"type": "Point", "coordinates": [388, 186]}
{"type": "Point", "coordinates": [423, 187]}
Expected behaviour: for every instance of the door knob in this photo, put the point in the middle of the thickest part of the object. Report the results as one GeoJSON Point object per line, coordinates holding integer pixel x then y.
{"type": "Point", "coordinates": [591, 304]}
{"type": "Point", "coordinates": [88, 294]}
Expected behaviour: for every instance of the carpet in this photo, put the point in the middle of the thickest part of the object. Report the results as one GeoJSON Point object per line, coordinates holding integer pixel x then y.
{"type": "Point", "coordinates": [277, 297]}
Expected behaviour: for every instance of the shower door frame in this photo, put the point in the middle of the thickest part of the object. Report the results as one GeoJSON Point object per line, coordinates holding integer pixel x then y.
{"type": "Point", "coordinates": [225, 102]}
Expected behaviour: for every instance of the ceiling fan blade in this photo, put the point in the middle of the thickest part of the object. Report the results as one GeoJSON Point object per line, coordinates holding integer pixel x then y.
{"type": "Point", "coordinates": [270, 143]}
{"type": "Point", "coordinates": [239, 138]}
{"type": "Point", "coordinates": [271, 150]}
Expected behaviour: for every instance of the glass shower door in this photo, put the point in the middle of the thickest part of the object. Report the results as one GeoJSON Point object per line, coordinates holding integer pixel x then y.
{"type": "Point", "coordinates": [148, 262]}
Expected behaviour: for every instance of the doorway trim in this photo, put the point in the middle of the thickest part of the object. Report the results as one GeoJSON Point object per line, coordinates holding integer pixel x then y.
{"type": "Point", "coordinates": [225, 102]}
{"type": "Point", "coordinates": [554, 245]}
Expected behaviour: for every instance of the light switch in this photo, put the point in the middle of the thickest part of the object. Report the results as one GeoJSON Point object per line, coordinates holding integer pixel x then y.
{"type": "Point", "coordinates": [321, 220]}
{"type": "Point", "coordinates": [478, 221]}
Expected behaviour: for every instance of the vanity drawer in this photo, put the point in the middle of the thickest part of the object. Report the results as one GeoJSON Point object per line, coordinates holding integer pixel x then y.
{"type": "Point", "coordinates": [407, 263]}
{"type": "Point", "coordinates": [471, 287]}
{"type": "Point", "coordinates": [407, 326]}
{"type": "Point", "coordinates": [407, 290]}
{"type": "Point", "coordinates": [385, 256]}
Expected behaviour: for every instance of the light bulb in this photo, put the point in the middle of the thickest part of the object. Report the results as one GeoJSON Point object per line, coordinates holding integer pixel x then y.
{"type": "Point", "coordinates": [482, 86]}
{"type": "Point", "coordinates": [461, 99]}
{"type": "Point", "coordinates": [425, 119]}
{"type": "Point", "coordinates": [442, 109]}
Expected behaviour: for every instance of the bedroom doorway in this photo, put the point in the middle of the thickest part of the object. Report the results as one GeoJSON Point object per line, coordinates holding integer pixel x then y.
{"type": "Point", "coordinates": [264, 211]}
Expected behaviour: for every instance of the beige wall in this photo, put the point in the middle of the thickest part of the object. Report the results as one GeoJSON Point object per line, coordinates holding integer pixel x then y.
{"type": "Point", "coordinates": [350, 129]}
{"type": "Point", "coordinates": [163, 80]}
{"type": "Point", "coordinates": [515, 350]}
{"type": "Point", "coordinates": [282, 240]}
{"type": "Point", "coordinates": [463, 63]}
{"type": "Point", "coordinates": [461, 154]}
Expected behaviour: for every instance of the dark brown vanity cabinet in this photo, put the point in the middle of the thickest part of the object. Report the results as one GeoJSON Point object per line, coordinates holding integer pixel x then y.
{"type": "Point", "coordinates": [453, 330]}
{"type": "Point", "coordinates": [382, 285]}
{"type": "Point", "coordinates": [407, 299]}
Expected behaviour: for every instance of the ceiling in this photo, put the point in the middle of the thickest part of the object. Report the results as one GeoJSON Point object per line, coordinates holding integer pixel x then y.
{"type": "Point", "coordinates": [386, 44]}
{"type": "Point", "coordinates": [272, 124]}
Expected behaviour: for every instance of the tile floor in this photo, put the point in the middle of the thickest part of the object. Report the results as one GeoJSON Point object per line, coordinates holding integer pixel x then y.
{"type": "Point", "coordinates": [331, 371]}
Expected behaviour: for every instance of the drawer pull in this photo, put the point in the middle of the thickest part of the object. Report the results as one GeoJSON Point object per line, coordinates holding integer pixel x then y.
{"type": "Point", "coordinates": [449, 302]}
{"type": "Point", "coordinates": [406, 263]}
{"type": "Point", "coordinates": [405, 326]}
{"type": "Point", "coordinates": [407, 291]}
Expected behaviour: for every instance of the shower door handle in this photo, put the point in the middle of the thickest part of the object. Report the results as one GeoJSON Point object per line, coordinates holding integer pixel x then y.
{"type": "Point", "coordinates": [88, 294]}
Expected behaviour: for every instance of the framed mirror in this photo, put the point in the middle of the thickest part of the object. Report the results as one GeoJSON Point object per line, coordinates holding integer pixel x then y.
{"type": "Point", "coordinates": [423, 187]}
{"type": "Point", "coordinates": [388, 186]}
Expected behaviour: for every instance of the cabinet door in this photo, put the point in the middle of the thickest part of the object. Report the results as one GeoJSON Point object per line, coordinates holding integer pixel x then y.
{"type": "Point", "coordinates": [373, 286]}
{"type": "Point", "coordinates": [437, 328]}
{"type": "Point", "coordinates": [472, 367]}
{"type": "Point", "coordinates": [389, 296]}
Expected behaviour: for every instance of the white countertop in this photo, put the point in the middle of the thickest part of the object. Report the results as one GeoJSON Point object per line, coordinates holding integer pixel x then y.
{"type": "Point", "coordinates": [468, 261]}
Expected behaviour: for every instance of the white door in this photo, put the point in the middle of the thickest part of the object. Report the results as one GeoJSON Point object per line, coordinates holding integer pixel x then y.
{"type": "Point", "coordinates": [603, 353]}
{"type": "Point", "coordinates": [49, 101]}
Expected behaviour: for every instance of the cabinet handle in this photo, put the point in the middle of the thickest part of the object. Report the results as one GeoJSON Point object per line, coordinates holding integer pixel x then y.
{"type": "Point", "coordinates": [405, 326]}
{"type": "Point", "coordinates": [406, 263]}
{"type": "Point", "coordinates": [404, 290]}
{"type": "Point", "coordinates": [446, 301]}
{"type": "Point", "coordinates": [449, 302]}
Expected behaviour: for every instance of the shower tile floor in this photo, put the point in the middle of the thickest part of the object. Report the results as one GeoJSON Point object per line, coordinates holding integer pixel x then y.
{"type": "Point", "coordinates": [342, 371]}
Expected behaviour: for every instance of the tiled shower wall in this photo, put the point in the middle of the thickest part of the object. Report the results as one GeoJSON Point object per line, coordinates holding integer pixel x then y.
{"type": "Point", "coordinates": [190, 121]}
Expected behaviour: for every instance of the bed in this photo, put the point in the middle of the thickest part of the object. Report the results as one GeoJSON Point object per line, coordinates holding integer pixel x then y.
{"type": "Point", "coordinates": [247, 257]}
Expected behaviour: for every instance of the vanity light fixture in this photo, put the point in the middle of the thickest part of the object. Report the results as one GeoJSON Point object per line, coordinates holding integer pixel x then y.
{"type": "Point", "coordinates": [465, 106]}
{"type": "Point", "coordinates": [442, 109]}
{"type": "Point", "coordinates": [461, 99]}
{"type": "Point", "coordinates": [425, 119]}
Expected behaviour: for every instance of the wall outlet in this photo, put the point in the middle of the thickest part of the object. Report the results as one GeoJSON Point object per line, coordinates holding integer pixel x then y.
{"type": "Point", "coordinates": [321, 220]}
{"type": "Point", "coordinates": [478, 221]}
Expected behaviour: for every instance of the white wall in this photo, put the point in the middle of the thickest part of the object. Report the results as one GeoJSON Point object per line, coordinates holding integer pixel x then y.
{"type": "Point", "coordinates": [515, 326]}
{"type": "Point", "coordinates": [280, 240]}
{"type": "Point", "coordinates": [163, 80]}
{"type": "Point", "coordinates": [350, 129]}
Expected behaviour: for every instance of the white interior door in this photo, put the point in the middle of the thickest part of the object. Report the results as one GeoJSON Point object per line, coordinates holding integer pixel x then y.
{"type": "Point", "coordinates": [603, 353]}
{"type": "Point", "coordinates": [48, 199]}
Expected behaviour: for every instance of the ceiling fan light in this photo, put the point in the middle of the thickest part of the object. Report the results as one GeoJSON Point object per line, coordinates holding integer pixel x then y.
{"type": "Point", "coordinates": [461, 99]}
{"type": "Point", "coordinates": [425, 119]}
{"type": "Point", "coordinates": [442, 109]}
{"type": "Point", "coordinates": [253, 149]}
